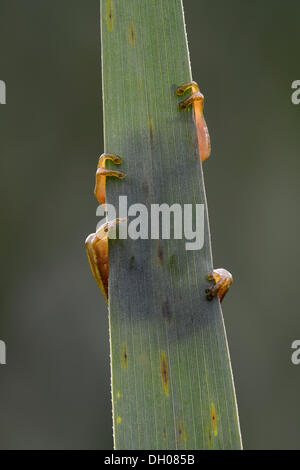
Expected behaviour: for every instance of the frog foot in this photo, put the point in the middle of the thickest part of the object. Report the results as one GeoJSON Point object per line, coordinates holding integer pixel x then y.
{"type": "Point", "coordinates": [102, 173]}
{"type": "Point", "coordinates": [105, 229]}
{"type": "Point", "coordinates": [222, 282]}
{"type": "Point", "coordinates": [196, 95]}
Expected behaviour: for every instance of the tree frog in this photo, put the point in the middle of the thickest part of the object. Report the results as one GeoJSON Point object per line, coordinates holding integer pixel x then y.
{"type": "Point", "coordinates": [97, 243]}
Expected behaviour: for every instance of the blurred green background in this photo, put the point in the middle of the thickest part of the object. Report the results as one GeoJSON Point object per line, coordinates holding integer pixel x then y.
{"type": "Point", "coordinates": [55, 388]}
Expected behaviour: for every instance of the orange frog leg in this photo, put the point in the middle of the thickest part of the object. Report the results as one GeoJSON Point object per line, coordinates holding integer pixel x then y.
{"type": "Point", "coordinates": [222, 282]}
{"type": "Point", "coordinates": [197, 100]}
{"type": "Point", "coordinates": [97, 243]}
{"type": "Point", "coordinates": [102, 173]}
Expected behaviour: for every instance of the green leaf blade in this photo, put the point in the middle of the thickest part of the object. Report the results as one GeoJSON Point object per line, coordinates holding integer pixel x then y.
{"type": "Point", "coordinates": [172, 384]}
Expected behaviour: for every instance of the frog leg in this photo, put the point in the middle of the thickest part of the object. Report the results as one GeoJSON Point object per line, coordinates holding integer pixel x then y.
{"type": "Point", "coordinates": [196, 95]}
{"type": "Point", "coordinates": [98, 255]}
{"type": "Point", "coordinates": [222, 282]}
{"type": "Point", "coordinates": [97, 243]}
{"type": "Point", "coordinates": [97, 251]}
{"type": "Point", "coordinates": [102, 173]}
{"type": "Point", "coordinates": [197, 100]}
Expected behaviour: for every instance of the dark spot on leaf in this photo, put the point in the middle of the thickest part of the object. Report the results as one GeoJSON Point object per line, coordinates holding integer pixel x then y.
{"type": "Point", "coordinates": [110, 15]}
{"type": "Point", "coordinates": [160, 254]}
{"type": "Point", "coordinates": [131, 262]}
{"type": "Point", "coordinates": [132, 35]}
{"type": "Point", "coordinates": [145, 187]}
{"type": "Point", "coordinates": [181, 432]}
{"type": "Point", "coordinates": [164, 434]}
{"type": "Point", "coordinates": [166, 311]}
{"type": "Point", "coordinates": [124, 357]}
{"type": "Point", "coordinates": [164, 372]}
{"type": "Point", "coordinates": [214, 419]}
{"type": "Point", "coordinates": [151, 131]}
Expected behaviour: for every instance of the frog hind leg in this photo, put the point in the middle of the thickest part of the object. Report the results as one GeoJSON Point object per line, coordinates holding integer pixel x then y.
{"type": "Point", "coordinates": [97, 251]}
{"type": "Point", "coordinates": [222, 282]}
